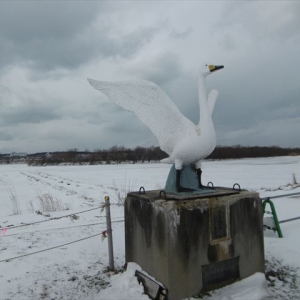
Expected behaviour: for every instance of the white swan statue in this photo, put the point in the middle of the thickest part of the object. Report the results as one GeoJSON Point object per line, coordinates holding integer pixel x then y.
{"type": "Point", "coordinates": [184, 141]}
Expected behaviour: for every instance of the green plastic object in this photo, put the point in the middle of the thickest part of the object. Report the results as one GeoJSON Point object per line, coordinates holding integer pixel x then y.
{"type": "Point", "coordinates": [274, 214]}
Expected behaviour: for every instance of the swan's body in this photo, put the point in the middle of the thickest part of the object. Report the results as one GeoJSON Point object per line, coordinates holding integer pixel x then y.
{"type": "Point", "coordinates": [184, 141]}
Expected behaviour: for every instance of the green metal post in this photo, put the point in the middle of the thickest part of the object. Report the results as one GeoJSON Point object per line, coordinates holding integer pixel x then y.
{"type": "Point", "coordinates": [273, 210]}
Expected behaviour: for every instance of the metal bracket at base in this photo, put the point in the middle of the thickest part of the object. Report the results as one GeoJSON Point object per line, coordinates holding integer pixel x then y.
{"type": "Point", "coordinates": [152, 288]}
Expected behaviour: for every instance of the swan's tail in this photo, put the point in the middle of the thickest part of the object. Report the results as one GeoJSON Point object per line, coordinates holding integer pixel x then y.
{"type": "Point", "coordinates": [167, 161]}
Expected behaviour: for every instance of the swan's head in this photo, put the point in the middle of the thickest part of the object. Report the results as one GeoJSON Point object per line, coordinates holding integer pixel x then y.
{"type": "Point", "coordinates": [209, 69]}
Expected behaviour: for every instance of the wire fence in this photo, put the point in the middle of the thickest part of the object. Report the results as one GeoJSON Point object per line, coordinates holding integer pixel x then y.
{"type": "Point", "coordinates": [82, 225]}
{"type": "Point", "coordinates": [60, 228]}
{"type": "Point", "coordinates": [54, 218]}
{"type": "Point", "coordinates": [44, 250]}
{"type": "Point", "coordinates": [62, 245]}
{"type": "Point", "coordinates": [105, 233]}
{"type": "Point", "coordinates": [282, 196]}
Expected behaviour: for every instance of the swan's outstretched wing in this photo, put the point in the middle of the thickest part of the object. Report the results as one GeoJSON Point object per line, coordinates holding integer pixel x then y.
{"type": "Point", "coordinates": [153, 107]}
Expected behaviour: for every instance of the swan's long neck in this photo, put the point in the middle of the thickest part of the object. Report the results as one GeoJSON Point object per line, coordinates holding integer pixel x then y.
{"type": "Point", "coordinates": [205, 116]}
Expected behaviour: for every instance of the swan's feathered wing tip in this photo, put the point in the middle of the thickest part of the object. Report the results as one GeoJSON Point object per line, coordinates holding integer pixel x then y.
{"type": "Point", "coordinates": [91, 82]}
{"type": "Point", "coordinates": [98, 85]}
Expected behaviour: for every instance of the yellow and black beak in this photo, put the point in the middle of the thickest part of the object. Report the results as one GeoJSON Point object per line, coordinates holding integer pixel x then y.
{"type": "Point", "coordinates": [213, 68]}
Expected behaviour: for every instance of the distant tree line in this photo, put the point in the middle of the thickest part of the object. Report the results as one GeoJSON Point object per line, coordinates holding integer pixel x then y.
{"type": "Point", "coordinates": [121, 154]}
{"type": "Point", "coordinates": [115, 154]}
{"type": "Point", "coordinates": [238, 151]}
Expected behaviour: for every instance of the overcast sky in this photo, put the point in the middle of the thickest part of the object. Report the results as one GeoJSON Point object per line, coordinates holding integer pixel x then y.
{"type": "Point", "coordinates": [48, 49]}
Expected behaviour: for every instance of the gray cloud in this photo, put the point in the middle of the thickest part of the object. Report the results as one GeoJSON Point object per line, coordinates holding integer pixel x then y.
{"type": "Point", "coordinates": [263, 19]}
{"type": "Point", "coordinates": [161, 69]}
{"type": "Point", "coordinates": [180, 34]}
{"type": "Point", "coordinates": [25, 108]}
{"type": "Point", "coordinates": [39, 32]}
{"type": "Point", "coordinates": [48, 49]}
{"type": "Point", "coordinates": [47, 35]}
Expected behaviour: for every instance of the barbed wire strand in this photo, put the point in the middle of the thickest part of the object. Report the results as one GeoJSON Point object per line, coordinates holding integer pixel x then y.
{"type": "Point", "coordinates": [54, 218]}
{"type": "Point", "coordinates": [44, 250]}
{"type": "Point", "coordinates": [60, 228]}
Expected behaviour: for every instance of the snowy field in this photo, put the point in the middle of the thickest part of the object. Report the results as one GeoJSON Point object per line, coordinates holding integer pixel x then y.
{"type": "Point", "coordinates": [78, 270]}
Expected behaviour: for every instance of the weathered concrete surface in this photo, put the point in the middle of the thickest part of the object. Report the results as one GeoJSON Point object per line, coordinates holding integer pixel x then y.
{"type": "Point", "coordinates": [173, 240]}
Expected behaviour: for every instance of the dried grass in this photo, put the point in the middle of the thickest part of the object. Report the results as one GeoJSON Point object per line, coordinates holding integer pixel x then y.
{"type": "Point", "coordinates": [47, 203]}
{"type": "Point", "coordinates": [15, 204]}
{"type": "Point", "coordinates": [294, 179]}
{"type": "Point", "coordinates": [119, 192]}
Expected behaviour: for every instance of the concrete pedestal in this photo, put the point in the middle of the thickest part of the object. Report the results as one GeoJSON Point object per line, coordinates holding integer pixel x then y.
{"type": "Point", "coordinates": [196, 243]}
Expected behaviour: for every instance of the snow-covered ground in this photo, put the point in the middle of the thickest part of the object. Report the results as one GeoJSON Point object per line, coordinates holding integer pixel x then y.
{"type": "Point", "coordinates": [78, 270]}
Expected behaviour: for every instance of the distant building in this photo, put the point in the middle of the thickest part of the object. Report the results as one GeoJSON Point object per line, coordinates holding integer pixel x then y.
{"type": "Point", "coordinates": [14, 154]}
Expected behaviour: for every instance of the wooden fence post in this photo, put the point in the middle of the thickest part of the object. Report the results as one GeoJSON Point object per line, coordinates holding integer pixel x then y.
{"type": "Point", "coordinates": [109, 234]}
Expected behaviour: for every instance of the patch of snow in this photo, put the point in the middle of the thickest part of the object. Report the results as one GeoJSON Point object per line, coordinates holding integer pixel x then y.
{"type": "Point", "coordinates": [251, 288]}
{"type": "Point", "coordinates": [125, 285]}
{"type": "Point", "coordinates": [78, 271]}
